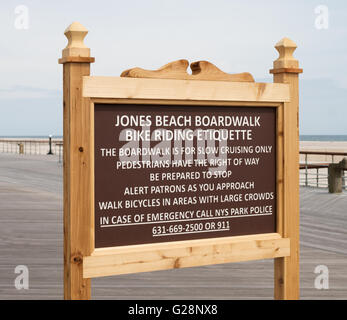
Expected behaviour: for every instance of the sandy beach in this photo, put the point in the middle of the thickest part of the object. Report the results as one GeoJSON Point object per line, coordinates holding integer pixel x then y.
{"type": "Point", "coordinates": [319, 177]}
{"type": "Point", "coordinates": [323, 146]}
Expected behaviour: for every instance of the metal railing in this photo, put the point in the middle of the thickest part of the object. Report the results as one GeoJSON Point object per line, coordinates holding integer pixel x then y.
{"type": "Point", "coordinates": [314, 172]}
{"type": "Point", "coordinates": [59, 145]}
{"type": "Point", "coordinates": [30, 146]}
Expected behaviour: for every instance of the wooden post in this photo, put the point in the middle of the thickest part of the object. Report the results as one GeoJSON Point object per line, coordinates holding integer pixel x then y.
{"type": "Point", "coordinates": [335, 176]}
{"type": "Point", "coordinates": [77, 164]}
{"type": "Point", "coordinates": [286, 70]}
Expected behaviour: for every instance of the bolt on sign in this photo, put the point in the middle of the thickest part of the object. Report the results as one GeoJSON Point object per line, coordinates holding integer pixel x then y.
{"type": "Point", "coordinates": [168, 169]}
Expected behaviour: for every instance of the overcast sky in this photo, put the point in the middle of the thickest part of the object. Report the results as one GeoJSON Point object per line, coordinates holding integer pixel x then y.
{"type": "Point", "coordinates": [236, 35]}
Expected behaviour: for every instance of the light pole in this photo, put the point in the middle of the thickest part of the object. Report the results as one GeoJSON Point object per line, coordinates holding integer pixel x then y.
{"type": "Point", "coordinates": [50, 145]}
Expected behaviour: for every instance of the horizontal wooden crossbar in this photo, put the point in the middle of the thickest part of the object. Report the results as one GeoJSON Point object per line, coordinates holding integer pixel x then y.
{"type": "Point", "coordinates": [183, 254]}
{"type": "Point", "coordinates": [187, 90]}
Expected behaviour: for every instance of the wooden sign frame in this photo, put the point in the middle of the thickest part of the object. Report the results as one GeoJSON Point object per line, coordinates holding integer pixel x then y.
{"type": "Point", "coordinates": [81, 91]}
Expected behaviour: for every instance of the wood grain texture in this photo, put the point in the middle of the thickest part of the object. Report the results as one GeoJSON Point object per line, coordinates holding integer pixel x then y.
{"type": "Point", "coordinates": [287, 70]}
{"type": "Point", "coordinates": [78, 222]}
{"type": "Point", "coordinates": [186, 103]}
{"type": "Point", "coordinates": [146, 258]}
{"type": "Point", "coordinates": [75, 34]}
{"type": "Point", "coordinates": [183, 254]}
{"type": "Point", "coordinates": [201, 70]}
{"type": "Point", "coordinates": [287, 272]}
{"type": "Point", "coordinates": [280, 169]}
{"type": "Point", "coordinates": [77, 182]}
{"type": "Point", "coordinates": [188, 90]}
{"type": "Point", "coordinates": [76, 59]}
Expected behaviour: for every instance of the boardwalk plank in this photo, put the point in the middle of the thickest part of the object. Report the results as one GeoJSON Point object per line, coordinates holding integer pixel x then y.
{"type": "Point", "coordinates": [31, 234]}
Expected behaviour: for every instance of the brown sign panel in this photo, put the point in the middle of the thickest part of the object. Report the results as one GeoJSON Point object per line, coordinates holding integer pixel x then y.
{"type": "Point", "coordinates": [170, 173]}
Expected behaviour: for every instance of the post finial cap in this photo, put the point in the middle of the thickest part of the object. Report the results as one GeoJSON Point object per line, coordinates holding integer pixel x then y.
{"type": "Point", "coordinates": [75, 33]}
{"type": "Point", "coordinates": [286, 48]}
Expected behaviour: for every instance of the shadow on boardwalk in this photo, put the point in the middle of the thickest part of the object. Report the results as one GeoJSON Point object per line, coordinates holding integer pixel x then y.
{"type": "Point", "coordinates": [31, 234]}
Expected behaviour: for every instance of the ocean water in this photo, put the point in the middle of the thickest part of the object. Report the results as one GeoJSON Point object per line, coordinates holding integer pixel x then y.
{"type": "Point", "coordinates": [31, 137]}
{"type": "Point", "coordinates": [323, 138]}
{"type": "Point", "coordinates": [302, 137]}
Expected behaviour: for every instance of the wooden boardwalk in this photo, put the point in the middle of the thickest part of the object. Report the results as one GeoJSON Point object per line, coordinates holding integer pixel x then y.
{"type": "Point", "coordinates": [31, 234]}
